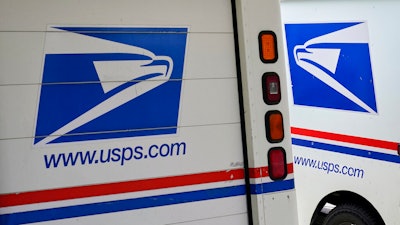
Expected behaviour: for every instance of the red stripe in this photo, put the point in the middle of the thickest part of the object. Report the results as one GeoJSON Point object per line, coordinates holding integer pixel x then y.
{"type": "Point", "coordinates": [117, 188]}
{"type": "Point", "coordinates": [263, 171]}
{"type": "Point", "coordinates": [258, 172]}
{"type": "Point", "coordinates": [290, 168]}
{"type": "Point", "coordinates": [346, 138]}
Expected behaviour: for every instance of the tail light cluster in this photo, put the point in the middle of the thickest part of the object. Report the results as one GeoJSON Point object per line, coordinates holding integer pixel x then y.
{"type": "Point", "coordinates": [277, 165]}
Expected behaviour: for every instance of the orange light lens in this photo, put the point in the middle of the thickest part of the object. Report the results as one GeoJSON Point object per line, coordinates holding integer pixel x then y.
{"type": "Point", "coordinates": [268, 48]}
{"type": "Point", "coordinates": [274, 126]}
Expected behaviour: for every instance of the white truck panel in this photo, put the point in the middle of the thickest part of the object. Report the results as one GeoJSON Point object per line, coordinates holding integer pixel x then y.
{"type": "Point", "coordinates": [378, 179]}
{"type": "Point", "coordinates": [151, 12]}
{"type": "Point", "coordinates": [207, 141]}
{"type": "Point", "coordinates": [256, 109]}
{"type": "Point", "coordinates": [133, 111]}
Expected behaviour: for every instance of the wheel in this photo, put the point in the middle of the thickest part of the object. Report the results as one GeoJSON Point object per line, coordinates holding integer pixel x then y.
{"type": "Point", "coordinates": [349, 214]}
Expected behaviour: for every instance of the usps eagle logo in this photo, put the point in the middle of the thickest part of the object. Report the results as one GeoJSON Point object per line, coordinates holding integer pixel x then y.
{"type": "Point", "coordinates": [109, 82]}
{"type": "Point", "coordinates": [330, 66]}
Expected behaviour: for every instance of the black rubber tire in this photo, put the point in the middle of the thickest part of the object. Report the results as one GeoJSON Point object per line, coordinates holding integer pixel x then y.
{"type": "Point", "coordinates": [349, 214]}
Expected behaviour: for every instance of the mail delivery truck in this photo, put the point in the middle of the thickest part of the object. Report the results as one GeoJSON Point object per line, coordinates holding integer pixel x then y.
{"type": "Point", "coordinates": [344, 104]}
{"type": "Point", "coordinates": [144, 112]}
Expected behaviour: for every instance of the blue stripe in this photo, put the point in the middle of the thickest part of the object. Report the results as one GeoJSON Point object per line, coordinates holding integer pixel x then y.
{"type": "Point", "coordinates": [272, 186]}
{"type": "Point", "coordinates": [119, 205]}
{"type": "Point", "coordinates": [347, 150]}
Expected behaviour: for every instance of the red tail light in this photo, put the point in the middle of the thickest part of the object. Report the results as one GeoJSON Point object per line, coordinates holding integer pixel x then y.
{"type": "Point", "coordinates": [277, 168]}
{"type": "Point", "coordinates": [271, 88]}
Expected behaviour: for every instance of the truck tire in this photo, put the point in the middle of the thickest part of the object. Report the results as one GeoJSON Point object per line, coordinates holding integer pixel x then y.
{"type": "Point", "coordinates": [349, 214]}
